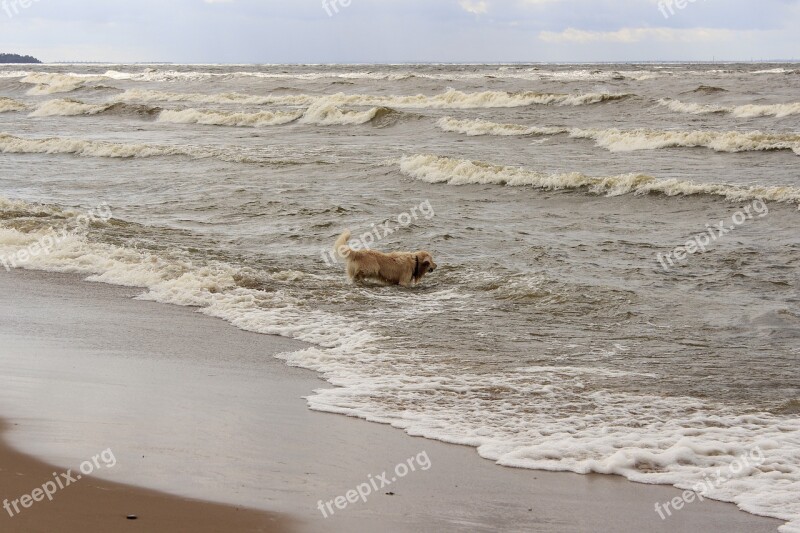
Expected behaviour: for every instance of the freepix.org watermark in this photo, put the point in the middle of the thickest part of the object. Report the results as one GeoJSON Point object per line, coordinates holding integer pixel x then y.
{"type": "Point", "coordinates": [701, 241]}
{"type": "Point", "coordinates": [104, 459]}
{"type": "Point", "coordinates": [12, 7]}
{"type": "Point", "coordinates": [331, 7]}
{"type": "Point", "coordinates": [667, 7]}
{"type": "Point", "coordinates": [47, 244]}
{"type": "Point", "coordinates": [746, 461]}
{"type": "Point", "coordinates": [378, 232]}
{"type": "Point", "coordinates": [374, 484]}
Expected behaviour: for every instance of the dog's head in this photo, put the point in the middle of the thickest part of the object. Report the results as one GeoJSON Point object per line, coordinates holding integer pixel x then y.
{"type": "Point", "coordinates": [426, 264]}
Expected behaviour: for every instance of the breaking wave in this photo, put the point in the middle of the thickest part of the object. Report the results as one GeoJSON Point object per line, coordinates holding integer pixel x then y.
{"type": "Point", "coordinates": [222, 118]}
{"type": "Point", "coordinates": [642, 139]}
{"type": "Point", "coordinates": [742, 111]}
{"type": "Point", "coordinates": [321, 113]}
{"type": "Point", "coordinates": [140, 95]}
{"type": "Point", "coordinates": [10, 144]}
{"type": "Point", "coordinates": [435, 169]}
{"type": "Point", "coordinates": [485, 127]}
{"type": "Point", "coordinates": [720, 141]}
{"type": "Point", "coordinates": [51, 83]}
{"type": "Point", "coordinates": [151, 75]}
{"type": "Point", "coordinates": [66, 108]}
{"type": "Point", "coordinates": [691, 108]}
{"type": "Point", "coordinates": [7, 104]}
{"type": "Point", "coordinates": [451, 99]}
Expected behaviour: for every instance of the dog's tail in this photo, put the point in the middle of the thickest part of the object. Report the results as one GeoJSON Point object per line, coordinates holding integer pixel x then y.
{"type": "Point", "coordinates": [340, 248]}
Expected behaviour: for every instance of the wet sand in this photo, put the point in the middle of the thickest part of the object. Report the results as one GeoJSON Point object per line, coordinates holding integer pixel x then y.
{"type": "Point", "coordinates": [95, 505]}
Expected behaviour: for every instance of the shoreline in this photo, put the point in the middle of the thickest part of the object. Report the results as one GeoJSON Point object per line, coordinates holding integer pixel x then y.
{"type": "Point", "coordinates": [283, 455]}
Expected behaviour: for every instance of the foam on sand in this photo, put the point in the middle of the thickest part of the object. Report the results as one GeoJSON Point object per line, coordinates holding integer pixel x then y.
{"type": "Point", "coordinates": [435, 169]}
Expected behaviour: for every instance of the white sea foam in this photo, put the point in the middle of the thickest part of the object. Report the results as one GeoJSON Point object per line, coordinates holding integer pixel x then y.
{"type": "Point", "coordinates": [546, 419]}
{"type": "Point", "coordinates": [148, 96]}
{"type": "Point", "coordinates": [691, 108]}
{"type": "Point", "coordinates": [151, 75]}
{"type": "Point", "coordinates": [721, 141]}
{"type": "Point", "coordinates": [11, 144]}
{"type": "Point", "coordinates": [7, 105]}
{"type": "Point", "coordinates": [503, 72]}
{"type": "Point", "coordinates": [616, 140]}
{"type": "Point", "coordinates": [66, 107]}
{"type": "Point", "coordinates": [451, 99]}
{"type": "Point", "coordinates": [741, 111]}
{"type": "Point", "coordinates": [775, 110]}
{"type": "Point", "coordinates": [222, 118]}
{"type": "Point", "coordinates": [14, 74]}
{"type": "Point", "coordinates": [324, 114]}
{"type": "Point", "coordinates": [50, 83]}
{"type": "Point", "coordinates": [775, 71]}
{"type": "Point", "coordinates": [321, 112]}
{"type": "Point", "coordinates": [485, 127]}
{"type": "Point", "coordinates": [434, 169]}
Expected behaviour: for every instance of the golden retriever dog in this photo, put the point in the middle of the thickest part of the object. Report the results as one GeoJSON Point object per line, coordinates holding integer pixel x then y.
{"type": "Point", "coordinates": [396, 268]}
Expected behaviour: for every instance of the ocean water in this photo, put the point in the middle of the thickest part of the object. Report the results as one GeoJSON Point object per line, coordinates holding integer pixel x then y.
{"type": "Point", "coordinates": [558, 332]}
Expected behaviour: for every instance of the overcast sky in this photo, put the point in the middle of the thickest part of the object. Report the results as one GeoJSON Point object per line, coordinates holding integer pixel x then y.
{"type": "Point", "coordinates": [306, 31]}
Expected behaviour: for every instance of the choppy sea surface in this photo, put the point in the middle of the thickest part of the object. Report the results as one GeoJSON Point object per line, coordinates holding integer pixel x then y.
{"type": "Point", "coordinates": [561, 331]}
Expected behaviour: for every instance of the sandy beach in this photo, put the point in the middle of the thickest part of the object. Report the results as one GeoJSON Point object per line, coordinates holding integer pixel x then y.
{"type": "Point", "coordinates": [192, 406]}
{"type": "Point", "coordinates": [95, 505]}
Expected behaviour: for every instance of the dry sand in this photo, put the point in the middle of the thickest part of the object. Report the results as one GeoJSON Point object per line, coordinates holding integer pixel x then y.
{"type": "Point", "coordinates": [296, 456]}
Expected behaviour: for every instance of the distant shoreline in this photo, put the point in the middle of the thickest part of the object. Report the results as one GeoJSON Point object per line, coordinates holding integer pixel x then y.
{"type": "Point", "coordinates": [16, 58]}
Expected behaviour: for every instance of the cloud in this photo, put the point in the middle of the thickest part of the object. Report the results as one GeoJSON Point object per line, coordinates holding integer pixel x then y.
{"type": "Point", "coordinates": [281, 31]}
{"type": "Point", "coordinates": [472, 6]}
{"type": "Point", "coordinates": [635, 35]}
